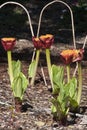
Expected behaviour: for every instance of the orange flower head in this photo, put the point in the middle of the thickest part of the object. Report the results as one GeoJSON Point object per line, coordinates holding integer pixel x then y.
{"type": "Point", "coordinates": [43, 42]}
{"type": "Point", "coordinates": [8, 43]}
{"type": "Point", "coordinates": [67, 56]}
{"type": "Point", "coordinates": [71, 55]}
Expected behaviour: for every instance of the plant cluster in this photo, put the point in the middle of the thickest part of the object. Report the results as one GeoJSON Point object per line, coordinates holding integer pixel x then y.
{"type": "Point", "coordinates": [18, 80]}
{"type": "Point", "coordinates": [67, 94]}
{"type": "Point", "coordinates": [66, 91]}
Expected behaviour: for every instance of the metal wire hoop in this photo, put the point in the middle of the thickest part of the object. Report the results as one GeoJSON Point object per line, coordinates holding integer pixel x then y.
{"type": "Point", "coordinates": [71, 13]}
{"type": "Point", "coordinates": [16, 3]}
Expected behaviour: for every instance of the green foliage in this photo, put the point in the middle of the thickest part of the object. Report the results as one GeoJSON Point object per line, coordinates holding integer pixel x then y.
{"type": "Point", "coordinates": [57, 74]}
{"type": "Point", "coordinates": [20, 82]}
{"type": "Point", "coordinates": [16, 66]}
{"type": "Point", "coordinates": [57, 77]}
{"type": "Point", "coordinates": [71, 92]}
{"type": "Point", "coordinates": [19, 85]}
{"type": "Point", "coordinates": [31, 69]}
{"type": "Point", "coordinates": [64, 94]}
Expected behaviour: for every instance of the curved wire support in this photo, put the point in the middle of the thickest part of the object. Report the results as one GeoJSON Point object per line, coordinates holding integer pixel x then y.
{"type": "Point", "coordinates": [16, 3]}
{"type": "Point", "coordinates": [31, 28]}
{"type": "Point", "coordinates": [84, 44]}
{"type": "Point", "coordinates": [72, 20]}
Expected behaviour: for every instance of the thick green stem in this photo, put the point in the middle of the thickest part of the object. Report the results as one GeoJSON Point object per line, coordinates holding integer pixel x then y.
{"type": "Point", "coordinates": [36, 64]}
{"type": "Point", "coordinates": [10, 66]}
{"type": "Point", "coordinates": [79, 92]}
{"type": "Point", "coordinates": [68, 73]}
{"type": "Point", "coordinates": [49, 65]}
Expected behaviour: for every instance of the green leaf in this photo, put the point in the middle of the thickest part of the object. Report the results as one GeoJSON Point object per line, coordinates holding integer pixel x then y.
{"type": "Point", "coordinates": [55, 105]}
{"type": "Point", "coordinates": [54, 101]}
{"type": "Point", "coordinates": [16, 66]}
{"type": "Point", "coordinates": [70, 88]}
{"type": "Point", "coordinates": [73, 87]}
{"type": "Point", "coordinates": [24, 82]}
{"type": "Point", "coordinates": [53, 109]}
{"type": "Point", "coordinates": [31, 69]}
{"type": "Point", "coordinates": [57, 74]}
{"type": "Point", "coordinates": [71, 92]}
{"type": "Point", "coordinates": [74, 103]}
{"type": "Point", "coordinates": [55, 89]}
{"type": "Point", "coordinates": [57, 77]}
{"type": "Point", "coordinates": [19, 85]}
{"type": "Point", "coordinates": [61, 95]}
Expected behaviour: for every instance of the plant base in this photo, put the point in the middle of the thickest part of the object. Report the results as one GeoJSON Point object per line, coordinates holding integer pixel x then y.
{"type": "Point", "coordinates": [61, 121]}
{"type": "Point", "coordinates": [18, 105]}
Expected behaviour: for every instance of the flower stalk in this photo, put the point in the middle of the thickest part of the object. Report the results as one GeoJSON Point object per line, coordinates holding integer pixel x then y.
{"type": "Point", "coordinates": [49, 65]}
{"type": "Point", "coordinates": [10, 66]}
{"type": "Point", "coordinates": [79, 92]}
{"type": "Point", "coordinates": [68, 73]}
{"type": "Point", "coordinates": [36, 65]}
{"type": "Point", "coordinates": [8, 44]}
{"type": "Point", "coordinates": [43, 42]}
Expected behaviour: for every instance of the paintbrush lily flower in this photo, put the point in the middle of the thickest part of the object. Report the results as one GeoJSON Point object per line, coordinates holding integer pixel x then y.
{"type": "Point", "coordinates": [8, 43]}
{"type": "Point", "coordinates": [43, 42]}
{"type": "Point", "coordinates": [71, 55]}
{"type": "Point", "coordinates": [68, 57]}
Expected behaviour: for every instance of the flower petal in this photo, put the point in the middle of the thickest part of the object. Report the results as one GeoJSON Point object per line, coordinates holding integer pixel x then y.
{"type": "Point", "coordinates": [8, 43]}
{"type": "Point", "coordinates": [71, 55]}
{"type": "Point", "coordinates": [43, 42]}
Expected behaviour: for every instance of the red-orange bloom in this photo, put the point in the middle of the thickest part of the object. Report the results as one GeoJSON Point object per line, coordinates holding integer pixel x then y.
{"type": "Point", "coordinates": [78, 55]}
{"type": "Point", "coordinates": [8, 43]}
{"type": "Point", "coordinates": [43, 42]}
{"type": "Point", "coordinates": [73, 55]}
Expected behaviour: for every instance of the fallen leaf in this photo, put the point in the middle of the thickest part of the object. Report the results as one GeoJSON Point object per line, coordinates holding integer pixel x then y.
{"type": "Point", "coordinates": [39, 123]}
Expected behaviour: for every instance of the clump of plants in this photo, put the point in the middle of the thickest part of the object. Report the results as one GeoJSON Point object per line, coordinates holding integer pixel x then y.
{"type": "Point", "coordinates": [18, 80]}
{"type": "Point", "coordinates": [66, 93]}
{"type": "Point", "coordinates": [41, 43]}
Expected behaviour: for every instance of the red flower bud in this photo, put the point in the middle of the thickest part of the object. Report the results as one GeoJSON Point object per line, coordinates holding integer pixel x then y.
{"type": "Point", "coordinates": [8, 43]}
{"type": "Point", "coordinates": [43, 42]}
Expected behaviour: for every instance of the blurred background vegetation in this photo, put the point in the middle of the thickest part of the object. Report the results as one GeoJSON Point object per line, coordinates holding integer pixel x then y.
{"type": "Point", "coordinates": [56, 19]}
